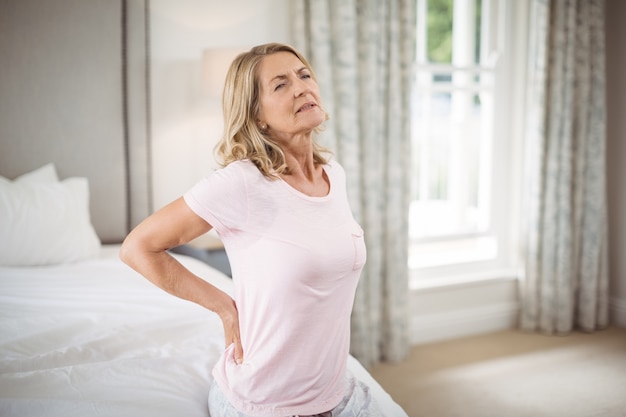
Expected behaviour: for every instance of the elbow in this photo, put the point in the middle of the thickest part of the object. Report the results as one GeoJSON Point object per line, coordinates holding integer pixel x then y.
{"type": "Point", "coordinates": [128, 251]}
{"type": "Point", "coordinates": [138, 252]}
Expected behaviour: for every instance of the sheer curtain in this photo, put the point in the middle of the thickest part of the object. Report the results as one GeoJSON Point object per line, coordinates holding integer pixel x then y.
{"type": "Point", "coordinates": [566, 277]}
{"type": "Point", "coordinates": [362, 52]}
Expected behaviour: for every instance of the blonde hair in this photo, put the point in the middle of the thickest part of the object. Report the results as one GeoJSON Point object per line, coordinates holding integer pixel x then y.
{"type": "Point", "coordinates": [243, 138]}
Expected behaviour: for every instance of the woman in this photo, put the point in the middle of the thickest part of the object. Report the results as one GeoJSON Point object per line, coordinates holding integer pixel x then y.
{"type": "Point", "coordinates": [296, 253]}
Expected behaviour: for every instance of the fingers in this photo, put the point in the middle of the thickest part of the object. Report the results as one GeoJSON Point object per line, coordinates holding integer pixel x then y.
{"type": "Point", "coordinates": [238, 352]}
{"type": "Point", "coordinates": [232, 337]}
{"type": "Point", "coordinates": [230, 320]}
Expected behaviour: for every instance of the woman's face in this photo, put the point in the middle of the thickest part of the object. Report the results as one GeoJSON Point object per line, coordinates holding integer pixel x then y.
{"type": "Point", "coordinates": [289, 97]}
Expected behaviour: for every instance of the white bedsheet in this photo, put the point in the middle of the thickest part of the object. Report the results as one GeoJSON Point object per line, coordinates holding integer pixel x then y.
{"type": "Point", "coordinates": [96, 339]}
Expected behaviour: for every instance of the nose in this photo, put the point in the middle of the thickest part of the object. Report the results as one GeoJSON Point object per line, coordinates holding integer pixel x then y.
{"type": "Point", "coordinates": [301, 87]}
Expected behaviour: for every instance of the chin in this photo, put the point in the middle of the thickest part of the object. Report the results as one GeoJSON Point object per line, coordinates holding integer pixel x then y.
{"type": "Point", "coordinates": [315, 119]}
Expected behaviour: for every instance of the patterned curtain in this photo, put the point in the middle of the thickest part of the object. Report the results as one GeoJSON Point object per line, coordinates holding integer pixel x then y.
{"type": "Point", "coordinates": [362, 52]}
{"type": "Point", "coordinates": [566, 277]}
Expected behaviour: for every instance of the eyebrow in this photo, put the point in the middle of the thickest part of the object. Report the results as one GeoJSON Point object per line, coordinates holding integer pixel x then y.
{"type": "Point", "coordinates": [278, 77]}
{"type": "Point", "coordinates": [283, 76]}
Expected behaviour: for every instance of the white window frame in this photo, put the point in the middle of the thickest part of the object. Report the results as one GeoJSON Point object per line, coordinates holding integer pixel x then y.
{"type": "Point", "coordinates": [496, 251]}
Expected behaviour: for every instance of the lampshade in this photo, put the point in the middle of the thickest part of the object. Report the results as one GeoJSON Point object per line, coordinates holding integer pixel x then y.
{"type": "Point", "coordinates": [215, 63]}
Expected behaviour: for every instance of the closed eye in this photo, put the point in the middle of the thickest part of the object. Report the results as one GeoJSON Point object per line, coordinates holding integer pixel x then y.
{"type": "Point", "coordinates": [279, 86]}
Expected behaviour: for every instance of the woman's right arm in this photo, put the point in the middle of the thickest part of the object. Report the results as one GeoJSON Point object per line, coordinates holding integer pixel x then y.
{"type": "Point", "coordinates": [145, 250]}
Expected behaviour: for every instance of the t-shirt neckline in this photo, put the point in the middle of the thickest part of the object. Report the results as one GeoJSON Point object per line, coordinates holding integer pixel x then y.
{"type": "Point", "coordinates": [310, 197]}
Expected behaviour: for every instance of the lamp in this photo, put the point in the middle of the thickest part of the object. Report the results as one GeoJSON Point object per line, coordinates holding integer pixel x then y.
{"type": "Point", "coordinates": [215, 63]}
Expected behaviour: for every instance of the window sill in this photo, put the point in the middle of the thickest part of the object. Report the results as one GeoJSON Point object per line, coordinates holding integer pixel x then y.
{"type": "Point", "coordinates": [442, 282]}
{"type": "Point", "coordinates": [465, 261]}
{"type": "Point", "coordinates": [446, 252]}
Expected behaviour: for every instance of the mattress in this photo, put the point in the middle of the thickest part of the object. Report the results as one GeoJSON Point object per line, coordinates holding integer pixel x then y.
{"type": "Point", "coordinates": [94, 338]}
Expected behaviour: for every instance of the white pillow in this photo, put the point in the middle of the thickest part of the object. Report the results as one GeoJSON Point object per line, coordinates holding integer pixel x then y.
{"type": "Point", "coordinates": [45, 222]}
{"type": "Point", "coordinates": [46, 173]}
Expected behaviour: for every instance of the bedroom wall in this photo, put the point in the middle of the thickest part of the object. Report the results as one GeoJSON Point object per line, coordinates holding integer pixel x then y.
{"type": "Point", "coordinates": [186, 119]}
{"type": "Point", "coordinates": [616, 154]}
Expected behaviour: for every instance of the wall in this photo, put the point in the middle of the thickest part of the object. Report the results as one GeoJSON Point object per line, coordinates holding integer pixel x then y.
{"type": "Point", "coordinates": [451, 310]}
{"type": "Point", "coordinates": [186, 119]}
{"type": "Point", "coordinates": [616, 154]}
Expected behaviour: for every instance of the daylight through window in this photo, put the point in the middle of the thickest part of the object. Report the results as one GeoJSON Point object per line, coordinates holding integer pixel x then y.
{"type": "Point", "coordinates": [453, 120]}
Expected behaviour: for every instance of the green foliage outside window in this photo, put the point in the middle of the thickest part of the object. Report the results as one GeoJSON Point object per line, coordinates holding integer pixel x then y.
{"type": "Point", "coordinates": [440, 23]}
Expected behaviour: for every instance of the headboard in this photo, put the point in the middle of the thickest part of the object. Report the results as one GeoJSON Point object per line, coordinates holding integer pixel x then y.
{"type": "Point", "coordinates": [74, 90]}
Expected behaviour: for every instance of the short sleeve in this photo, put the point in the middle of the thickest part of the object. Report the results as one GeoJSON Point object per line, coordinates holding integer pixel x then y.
{"type": "Point", "coordinates": [221, 198]}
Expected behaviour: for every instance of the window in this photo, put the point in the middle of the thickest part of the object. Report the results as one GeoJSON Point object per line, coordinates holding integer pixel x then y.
{"type": "Point", "coordinates": [465, 109]}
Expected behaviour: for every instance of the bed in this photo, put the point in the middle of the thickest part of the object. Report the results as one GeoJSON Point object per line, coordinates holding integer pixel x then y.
{"type": "Point", "coordinates": [93, 338]}
{"type": "Point", "coordinates": [81, 334]}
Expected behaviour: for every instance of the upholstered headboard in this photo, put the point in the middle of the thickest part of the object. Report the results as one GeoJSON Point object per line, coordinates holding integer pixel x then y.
{"type": "Point", "coordinates": [74, 91]}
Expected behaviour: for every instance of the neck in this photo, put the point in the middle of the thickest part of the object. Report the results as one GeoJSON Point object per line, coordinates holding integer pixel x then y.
{"type": "Point", "coordinates": [299, 157]}
{"type": "Point", "coordinates": [300, 165]}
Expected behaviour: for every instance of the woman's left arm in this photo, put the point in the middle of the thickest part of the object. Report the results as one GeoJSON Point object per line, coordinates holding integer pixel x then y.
{"type": "Point", "coordinates": [145, 250]}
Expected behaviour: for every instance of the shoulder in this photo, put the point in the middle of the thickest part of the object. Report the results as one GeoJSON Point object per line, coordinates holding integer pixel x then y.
{"type": "Point", "coordinates": [227, 179]}
{"type": "Point", "coordinates": [243, 165]}
{"type": "Point", "coordinates": [242, 169]}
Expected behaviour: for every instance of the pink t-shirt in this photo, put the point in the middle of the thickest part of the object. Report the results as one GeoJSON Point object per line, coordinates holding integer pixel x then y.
{"type": "Point", "coordinates": [296, 262]}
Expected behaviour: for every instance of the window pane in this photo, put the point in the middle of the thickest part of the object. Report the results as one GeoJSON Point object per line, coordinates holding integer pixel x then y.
{"type": "Point", "coordinates": [440, 31]}
{"type": "Point", "coordinates": [463, 49]}
{"type": "Point", "coordinates": [452, 124]}
{"type": "Point", "coordinates": [478, 29]}
{"type": "Point", "coordinates": [448, 147]}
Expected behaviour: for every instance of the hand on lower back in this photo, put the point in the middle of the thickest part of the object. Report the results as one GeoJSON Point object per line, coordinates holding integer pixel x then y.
{"type": "Point", "coordinates": [230, 321]}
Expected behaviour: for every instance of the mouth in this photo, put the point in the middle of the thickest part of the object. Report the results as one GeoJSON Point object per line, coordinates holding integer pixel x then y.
{"type": "Point", "coordinates": [307, 106]}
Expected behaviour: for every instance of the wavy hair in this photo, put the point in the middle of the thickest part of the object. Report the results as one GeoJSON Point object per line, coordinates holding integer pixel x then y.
{"type": "Point", "coordinates": [243, 138]}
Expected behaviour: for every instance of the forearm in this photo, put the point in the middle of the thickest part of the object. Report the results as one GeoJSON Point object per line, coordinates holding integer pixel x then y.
{"type": "Point", "coordinates": [163, 270]}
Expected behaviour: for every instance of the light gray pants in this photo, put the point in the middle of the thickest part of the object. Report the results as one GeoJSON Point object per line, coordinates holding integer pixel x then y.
{"type": "Point", "coordinates": [358, 402]}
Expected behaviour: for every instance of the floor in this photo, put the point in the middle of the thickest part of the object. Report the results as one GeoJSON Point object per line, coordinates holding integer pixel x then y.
{"type": "Point", "coordinates": [513, 374]}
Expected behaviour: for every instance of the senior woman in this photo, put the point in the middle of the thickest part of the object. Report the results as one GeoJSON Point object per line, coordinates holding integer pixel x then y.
{"type": "Point", "coordinates": [279, 204]}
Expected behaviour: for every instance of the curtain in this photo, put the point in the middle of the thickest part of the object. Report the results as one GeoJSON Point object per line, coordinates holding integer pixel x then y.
{"type": "Point", "coordinates": [362, 52]}
{"type": "Point", "coordinates": [566, 274]}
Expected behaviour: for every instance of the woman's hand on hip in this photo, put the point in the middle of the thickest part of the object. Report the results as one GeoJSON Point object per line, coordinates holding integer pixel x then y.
{"type": "Point", "coordinates": [230, 321]}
